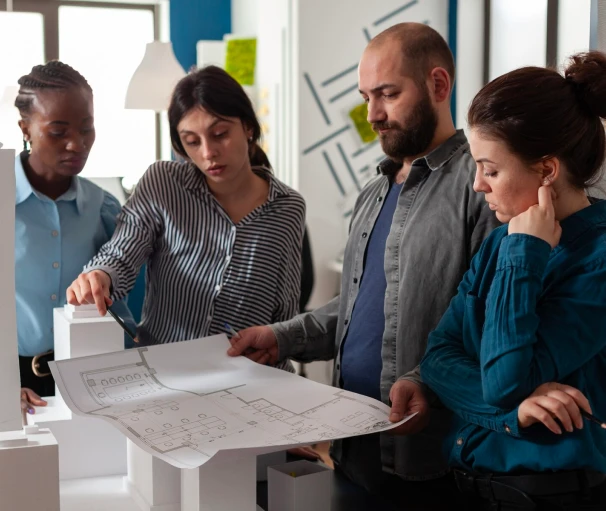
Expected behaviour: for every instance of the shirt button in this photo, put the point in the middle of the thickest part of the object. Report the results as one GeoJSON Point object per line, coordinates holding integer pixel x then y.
{"type": "Point", "coordinates": [346, 321]}
{"type": "Point", "coordinates": [379, 199]}
{"type": "Point", "coordinates": [55, 233]}
{"type": "Point", "coordinates": [217, 288]}
{"type": "Point", "coordinates": [233, 229]}
{"type": "Point", "coordinates": [507, 429]}
{"type": "Point", "coordinates": [355, 281]}
{"type": "Point", "coordinates": [338, 367]}
{"type": "Point", "coordinates": [53, 297]}
{"type": "Point", "coordinates": [364, 235]}
{"type": "Point", "coordinates": [228, 258]}
{"type": "Point", "coordinates": [459, 441]}
{"type": "Point", "coordinates": [55, 265]}
{"type": "Point", "coordinates": [209, 318]}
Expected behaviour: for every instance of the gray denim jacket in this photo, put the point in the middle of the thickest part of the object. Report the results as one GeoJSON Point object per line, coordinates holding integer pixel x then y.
{"type": "Point", "coordinates": [438, 225]}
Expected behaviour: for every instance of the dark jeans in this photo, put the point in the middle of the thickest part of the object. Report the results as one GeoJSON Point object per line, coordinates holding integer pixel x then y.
{"type": "Point", "coordinates": [361, 463]}
{"type": "Point", "coordinates": [594, 499]}
{"type": "Point", "coordinates": [43, 386]}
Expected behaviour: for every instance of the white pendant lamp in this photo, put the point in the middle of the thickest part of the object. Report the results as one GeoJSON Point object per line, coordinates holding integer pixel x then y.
{"type": "Point", "coordinates": [153, 82]}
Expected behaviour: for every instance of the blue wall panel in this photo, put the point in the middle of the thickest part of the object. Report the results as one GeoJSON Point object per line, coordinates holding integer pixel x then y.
{"type": "Point", "coordinates": [194, 20]}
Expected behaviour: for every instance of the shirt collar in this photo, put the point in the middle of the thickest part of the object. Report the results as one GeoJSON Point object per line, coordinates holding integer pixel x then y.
{"type": "Point", "coordinates": [74, 193]}
{"type": "Point", "coordinates": [24, 189]}
{"type": "Point", "coordinates": [435, 160]}
{"type": "Point", "coordinates": [194, 179]}
{"type": "Point", "coordinates": [276, 187]}
{"type": "Point", "coordinates": [579, 223]}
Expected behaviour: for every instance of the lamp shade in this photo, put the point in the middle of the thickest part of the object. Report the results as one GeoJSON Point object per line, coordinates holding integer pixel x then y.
{"type": "Point", "coordinates": [153, 82]}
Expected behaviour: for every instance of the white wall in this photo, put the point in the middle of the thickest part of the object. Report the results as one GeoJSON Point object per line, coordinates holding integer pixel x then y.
{"type": "Point", "coordinates": [518, 35]}
{"type": "Point", "coordinates": [470, 55]}
{"type": "Point", "coordinates": [332, 36]}
{"type": "Point", "coordinates": [303, 42]}
{"type": "Point", "coordinates": [245, 16]}
{"type": "Point", "coordinates": [269, 21]}
{"type": "Point", "coordinates": [573, 28]}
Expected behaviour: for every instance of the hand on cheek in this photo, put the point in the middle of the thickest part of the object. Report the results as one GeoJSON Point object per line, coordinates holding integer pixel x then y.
{"type": "Point", "coordinates": [539, 220]}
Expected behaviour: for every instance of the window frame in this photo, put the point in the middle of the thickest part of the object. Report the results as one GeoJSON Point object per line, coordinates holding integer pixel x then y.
{"type": "Point", "coordinates": [551, 53]}
{"type": "Point", "coordinates": [50, 14]}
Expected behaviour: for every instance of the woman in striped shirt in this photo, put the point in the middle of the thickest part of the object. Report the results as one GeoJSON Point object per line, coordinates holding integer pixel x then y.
{"type": "Point", "coordinates": [222, 238]}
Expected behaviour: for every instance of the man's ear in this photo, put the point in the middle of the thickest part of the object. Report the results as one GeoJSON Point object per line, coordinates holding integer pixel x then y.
{"type": "Point", "coordinates": [440, 84]}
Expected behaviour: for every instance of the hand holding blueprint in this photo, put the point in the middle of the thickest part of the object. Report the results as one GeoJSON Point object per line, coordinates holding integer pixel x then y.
{"type": "Point", "coordinates": [183, 402]}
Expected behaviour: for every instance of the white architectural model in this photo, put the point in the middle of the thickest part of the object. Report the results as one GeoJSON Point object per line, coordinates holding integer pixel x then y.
{"type": "Point", "coordinates": [30, 455]}
{"type": "Point", "coordinates": [183, 402]}
{"type": "Point", "coordinates": [10, 412]}
{"type": "Point", "coordinates": [79, 332]}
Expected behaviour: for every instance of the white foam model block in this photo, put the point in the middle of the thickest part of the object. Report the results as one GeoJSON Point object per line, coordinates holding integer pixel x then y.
{"type": "Point", "coordinates": [82, 337]}
{"type": "Point", "coordinates": [81, 311]}
{"type": "Point", "coordinates": [13, 439]}
{"type": "Point", "coordinates": [221, 486]}
{"type": "Point", "coordinates": [96, 494]}
{"type": "Point", "coordinates": [89, 447]}
{"type": "Point", "coordinates": [152, 483]}
{"type": "Point", "coordinates": [210, 53]}
{"type": "Point", "coordinates": [299, 486]}
{"type": "Point", "coordinates": [10, 410]}
{"type": "Point", "coordinates": [30, 474]}
{"type": "Point", "coordinates": [264, 461]}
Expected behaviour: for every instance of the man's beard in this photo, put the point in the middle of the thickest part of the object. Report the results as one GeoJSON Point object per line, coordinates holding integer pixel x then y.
{"type": "Point", "coordinates": [403, 142]}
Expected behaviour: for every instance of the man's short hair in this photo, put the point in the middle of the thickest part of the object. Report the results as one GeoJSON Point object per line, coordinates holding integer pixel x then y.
{"type": "Point", "coordinates": [423, 48]}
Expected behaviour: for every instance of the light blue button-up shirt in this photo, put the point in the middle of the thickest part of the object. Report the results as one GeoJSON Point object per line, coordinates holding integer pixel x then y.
{"type": "Point", "coordinates": [53, 242]}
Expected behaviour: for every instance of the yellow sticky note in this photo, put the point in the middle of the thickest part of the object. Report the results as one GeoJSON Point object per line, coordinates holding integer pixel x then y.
{"type": "Point", "coordinates": [358, 116]}
{"type": "Point", "coordinates": [240, 59]}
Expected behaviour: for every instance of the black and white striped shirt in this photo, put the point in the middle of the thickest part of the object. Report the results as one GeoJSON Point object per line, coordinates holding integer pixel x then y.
{"type": "Point", "coordinates": [202, 269]}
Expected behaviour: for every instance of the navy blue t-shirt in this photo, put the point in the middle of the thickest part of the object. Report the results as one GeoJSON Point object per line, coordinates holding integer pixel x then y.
{"type": "Point", "coordinates": [361, 353]}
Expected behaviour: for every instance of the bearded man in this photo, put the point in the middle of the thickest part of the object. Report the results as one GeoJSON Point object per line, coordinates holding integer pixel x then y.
{"type": "Point", "coordinates": [414, 230]}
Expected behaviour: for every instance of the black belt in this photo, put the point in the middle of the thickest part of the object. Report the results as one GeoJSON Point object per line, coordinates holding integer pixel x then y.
{"type": "Point", "coordinates": [39, 363]}
{"type": "Point", "coordinates": [519, 488]}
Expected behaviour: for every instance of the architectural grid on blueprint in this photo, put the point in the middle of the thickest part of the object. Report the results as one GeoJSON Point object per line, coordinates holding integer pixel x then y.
{"type": "Point", "coordinates": [168, 419]}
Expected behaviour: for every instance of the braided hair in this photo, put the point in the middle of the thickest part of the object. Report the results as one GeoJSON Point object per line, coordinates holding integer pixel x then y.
{"type": "Point", "coordinates": [53, 75]}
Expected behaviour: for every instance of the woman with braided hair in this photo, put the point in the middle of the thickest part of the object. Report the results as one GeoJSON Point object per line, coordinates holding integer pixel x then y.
{"type": "Point", "coordinates": [61, 219]}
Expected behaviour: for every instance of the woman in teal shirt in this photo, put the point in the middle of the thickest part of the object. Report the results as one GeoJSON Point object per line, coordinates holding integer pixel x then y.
{"type": "Point", "coordinates": [522, 347]}
{"type": "Point", "coordinates": [61, 219]}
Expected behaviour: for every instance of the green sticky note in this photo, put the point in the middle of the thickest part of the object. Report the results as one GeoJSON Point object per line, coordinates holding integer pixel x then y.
{"type": "Point", "coordinates": [240, 59]}
{"type": "Point", "coordinates": [358, 116]}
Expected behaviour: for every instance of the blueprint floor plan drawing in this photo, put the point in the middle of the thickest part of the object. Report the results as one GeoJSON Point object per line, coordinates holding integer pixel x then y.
{"type": "Point", "coordinates": [184, 402]}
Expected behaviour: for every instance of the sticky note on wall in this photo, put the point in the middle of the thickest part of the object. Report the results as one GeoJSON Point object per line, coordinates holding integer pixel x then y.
{"type": "Point", "coordinates": [358, 116]}
{"type": "Point", "coordinates": [240, 59]}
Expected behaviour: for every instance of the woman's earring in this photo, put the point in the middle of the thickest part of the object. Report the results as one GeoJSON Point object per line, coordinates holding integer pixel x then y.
{"type": "Point", "coordinates": [250, 139]}
{"type": "Point", "coordinates": [25, 148]}
{"type": "Point", "coordinates": [546, 181]}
